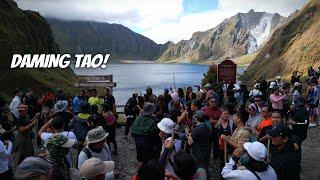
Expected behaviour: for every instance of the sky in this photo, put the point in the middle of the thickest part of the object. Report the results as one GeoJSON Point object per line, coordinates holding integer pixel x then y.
{"type": "Point", "coordinates": [159, 20]}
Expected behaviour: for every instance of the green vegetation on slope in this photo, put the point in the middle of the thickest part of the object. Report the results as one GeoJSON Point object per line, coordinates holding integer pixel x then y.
{"type": "Point", "coordinates": [26, 32]}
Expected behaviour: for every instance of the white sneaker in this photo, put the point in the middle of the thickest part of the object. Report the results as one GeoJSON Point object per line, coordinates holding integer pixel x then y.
{"type": "Point", "coordinates": [312, 124]}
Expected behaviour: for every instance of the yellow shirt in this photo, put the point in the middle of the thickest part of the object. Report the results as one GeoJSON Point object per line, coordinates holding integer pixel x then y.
{"type": "Point", "coordinates": [96, 101]}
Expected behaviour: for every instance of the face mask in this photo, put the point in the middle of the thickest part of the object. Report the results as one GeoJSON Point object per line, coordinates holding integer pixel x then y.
{"type": "Point", "coordinates": [244, 159]}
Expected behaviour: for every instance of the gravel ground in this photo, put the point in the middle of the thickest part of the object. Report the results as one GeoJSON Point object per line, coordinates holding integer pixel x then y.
{"type": "Point", "coordinates": [311, 156]}
{"type": "Point", "coordinates": [126, 162]}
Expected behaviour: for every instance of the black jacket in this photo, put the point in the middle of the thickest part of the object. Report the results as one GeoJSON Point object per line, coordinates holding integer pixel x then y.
{"type": "Point", "coordinates": [201, 147]}
{"type": "Point", "coordinates": [300, 115]}
{"type": "Point", "coordinates": [285, 162]}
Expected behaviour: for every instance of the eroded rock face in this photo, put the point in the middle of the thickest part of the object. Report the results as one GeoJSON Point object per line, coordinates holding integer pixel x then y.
{"type": "Point", "coordinates": [293, 46]}
{"type": "Point", "coordinates": [241, 34]}
{"type": "Point", "coordinates": [26, 32]}
{"type": "Point", "coordinates": [92, 37]}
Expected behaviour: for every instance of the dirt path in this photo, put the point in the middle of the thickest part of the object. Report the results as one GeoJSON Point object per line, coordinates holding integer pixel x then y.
{"type": "Point", "coordinates": [310, 162]}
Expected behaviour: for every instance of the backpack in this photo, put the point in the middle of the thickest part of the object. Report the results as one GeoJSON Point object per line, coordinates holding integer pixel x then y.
{"type": "Point", "coordinates": [109, 119]}
{"type": "Point", "coordinates": [89, 154]}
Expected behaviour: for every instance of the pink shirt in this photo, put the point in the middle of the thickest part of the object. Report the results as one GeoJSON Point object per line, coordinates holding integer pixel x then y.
{"type": "Point", "coordinates": [277, 100]}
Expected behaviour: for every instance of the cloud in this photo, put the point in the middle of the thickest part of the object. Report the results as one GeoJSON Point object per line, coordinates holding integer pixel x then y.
{"type": "Point", "coordinates": [142, 13]}
{"type": "Point", "coordinates": [159, 20]}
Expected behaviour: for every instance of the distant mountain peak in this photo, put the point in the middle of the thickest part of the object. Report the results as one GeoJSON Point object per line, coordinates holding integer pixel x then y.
{"type": "Point", "coordinates": [236, 36]}
{"type": "Point", "coordinates": [251, 11]}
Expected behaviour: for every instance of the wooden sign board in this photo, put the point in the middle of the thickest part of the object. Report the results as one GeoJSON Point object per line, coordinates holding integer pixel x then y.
{"type": "Point", "coordinates": [82, 78]}
{"type": "Point", "coordinates": [95, 81]}
{"type": "Point", "coordinates": [227, 72]}
{"type": "Point", "coordinates": [96, 84]}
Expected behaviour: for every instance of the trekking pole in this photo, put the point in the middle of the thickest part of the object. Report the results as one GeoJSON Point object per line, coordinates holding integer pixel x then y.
{"type": "Point", "coordinates": [174, 81]}
{"type": "Point", "coordinates": [35, 132]}
{"type": "Point", "coordinates": [268, 149]}
{"type": "Point", "coordinates": [225, 151]}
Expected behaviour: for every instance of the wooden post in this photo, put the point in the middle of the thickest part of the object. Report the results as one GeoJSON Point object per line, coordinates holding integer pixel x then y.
{"type": "Point", "coordinates": [225, 152]}
{"type": "Point", "coordinates": [268, 151]}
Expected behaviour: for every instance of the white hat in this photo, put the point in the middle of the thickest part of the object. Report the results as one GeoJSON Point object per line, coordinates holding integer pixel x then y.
{"type": "Point", "coordinates": [166, 125]}
{"type": "Point", "coordinates": [278, 77]}
{"type": "Point", "coordinates": [272, 85]}
{"type": "Point", "coordinates": [257, 85]}
{"type": "Point", "coordinates": [256, 150]}
{"type": "Point", "coordinates": [94, 166]}
{"type": "Point", "coordinates": [297, 84]}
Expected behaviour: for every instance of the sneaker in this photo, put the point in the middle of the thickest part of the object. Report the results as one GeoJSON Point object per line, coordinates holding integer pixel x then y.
{"type": "Point", "coordinates": [311, 124]}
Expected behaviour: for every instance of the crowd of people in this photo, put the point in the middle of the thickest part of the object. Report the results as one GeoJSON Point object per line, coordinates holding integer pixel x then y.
{"type": "Point", "coordinates": [180, 134]}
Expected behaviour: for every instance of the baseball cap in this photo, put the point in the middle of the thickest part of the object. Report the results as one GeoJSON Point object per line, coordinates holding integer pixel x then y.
{"type": "Point", "coordinates": [280, 130]}
{"type": "Point", "coordinates": [94, 166]}
{"type": "Point", "coordinates": [272, 85]}
{"type": "Point", "coordinates": [256, 150]}
{"type": "Point", "coordinates": [199, 114]}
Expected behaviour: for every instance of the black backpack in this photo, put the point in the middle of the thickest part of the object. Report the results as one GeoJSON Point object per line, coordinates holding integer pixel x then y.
{"type": "Point", "coordinates": [88, 152]}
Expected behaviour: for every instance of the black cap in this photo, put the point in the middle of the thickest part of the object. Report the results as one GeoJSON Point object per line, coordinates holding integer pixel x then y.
{"type": "Point", "coordinates": [280, 130]}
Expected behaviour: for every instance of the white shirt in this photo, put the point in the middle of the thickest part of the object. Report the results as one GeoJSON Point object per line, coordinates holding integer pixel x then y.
{"type": "Point", "coordinates": [229, 174]}
{"type": "Point", "coordinates": [5, 152]}
{"type": "Point", "coordinates": [14, 106]}
{"type": "Point", "coordinates": [46, 135]}
{"type": "Point", "coordinates": [255, 92]}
